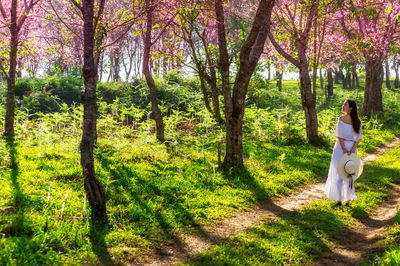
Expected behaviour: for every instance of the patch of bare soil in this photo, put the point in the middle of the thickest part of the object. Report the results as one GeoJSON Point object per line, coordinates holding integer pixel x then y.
{"type": "Point", "coordinates": [350, 252]}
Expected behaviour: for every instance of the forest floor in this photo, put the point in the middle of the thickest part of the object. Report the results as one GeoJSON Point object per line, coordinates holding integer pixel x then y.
{"type": "Point", "coordinates": [351, 250]}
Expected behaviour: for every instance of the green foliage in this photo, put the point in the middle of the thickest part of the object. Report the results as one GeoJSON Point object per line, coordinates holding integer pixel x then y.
{"type": "Point", "coordinates": [157, 191]}
{"type": "Point", "coordinates": [66, 88]}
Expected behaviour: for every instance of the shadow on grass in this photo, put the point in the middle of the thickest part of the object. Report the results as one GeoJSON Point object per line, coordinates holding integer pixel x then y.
{"type": "Point", "coordinates": [243, 179]}
{"type": "Point", "coordinates": [32, 250]}
{"type": "Point", "coordinates": [375, 180]}
{"type": "Point", "coordinates": [172, 204]}
{"type": "Point", "coordinates": [297, 237]}
{"type": "Point", "coordinates": [98, 232]}
{"type": "Point", "coordinates": [19, 225]}
{"type": "Point", "coordinates": [297, 156]}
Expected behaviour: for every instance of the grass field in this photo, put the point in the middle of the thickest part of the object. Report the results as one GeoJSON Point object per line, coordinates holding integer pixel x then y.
{"type": "Point", "coordinates": [155, 191]}
{"type": "Point", "coordinates": [299, 237]}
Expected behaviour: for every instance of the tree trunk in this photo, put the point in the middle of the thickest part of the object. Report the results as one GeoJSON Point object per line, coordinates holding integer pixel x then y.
{"type": "Point", "coordinates": [249, 56]}
{"type": "Point", "coordinates": [373, 87]}
{"type": "Point", "coordinates": [330, 82]}
{"type": "Point", "coordinates": [110, 74]}
{"type": "Point", "coordinates": [314, 79]}
{"type": "Point", "coordinates": [321, 79]}
{"type": "Point", "coordinates": [205, 94]}
{"type": "Point", "coordinates": [278, 75]}
{"type": "Point", "coordinates": [94, 189]}
{"type": "Point", "coordinates": [387, 70]}
{"type": "Point", "coordinates": [344, 80]}
{"type": "Point", "coordinates": [10, 103]}
{"type": "Point", "coordinates": [206, 77]}
{"type": "Point", "coordinates": [147, 73]}
{"type": "Point", "coordinates": [101, 63]}
{"type": "Point", "coordinates": [396, 70]}
{"type": "Point", "coordinates": [308, 103]}
{"type": "Point", "coordinates": [336, 76]}
{"type": "Point", "coordinates": [116, 65]}
{"type": "Point", "coordinates": [355, 81]}
{"type": "Point", "coordinates": [348, 79]}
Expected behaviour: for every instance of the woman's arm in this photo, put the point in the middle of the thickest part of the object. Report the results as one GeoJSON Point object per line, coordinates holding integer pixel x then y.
{"type": "Point", "coordinates": [343, 146]}
{"type": "Point", "coordinates": [354, 147]}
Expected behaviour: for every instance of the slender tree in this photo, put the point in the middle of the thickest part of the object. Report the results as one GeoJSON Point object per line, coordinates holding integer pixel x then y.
{"type": "Point", "coordinates": [396, 70]}
{"type": "Point", "coordinates": [198, 31]}
{"type": "Point", "coordinates": [13, 14]}
{"type": "Point", "coordinates": [153, 8]}
{"type": "Point", "coordinates": [91, 20]}
{"type": "Point", "coordinates": [387, 72]}
{"type": "Point", "coordinates": [294, 20]}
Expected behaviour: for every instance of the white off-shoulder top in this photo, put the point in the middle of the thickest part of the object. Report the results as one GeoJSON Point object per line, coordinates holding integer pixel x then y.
{"type": "Point", "coordinates": [346, 131]}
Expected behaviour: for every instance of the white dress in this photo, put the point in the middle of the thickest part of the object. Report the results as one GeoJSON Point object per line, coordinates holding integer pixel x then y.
{"type": "Point", "coordinates": [335, 187]}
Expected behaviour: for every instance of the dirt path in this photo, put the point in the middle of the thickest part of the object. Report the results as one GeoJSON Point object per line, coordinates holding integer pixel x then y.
{"type": "Point", "coordinates": [362, 241]}
{"type": "Point", "coordinates": [186, 247]}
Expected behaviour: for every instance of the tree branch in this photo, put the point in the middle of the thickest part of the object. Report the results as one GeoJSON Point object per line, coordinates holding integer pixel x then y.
{"type": "Point", "coordinates": [164, 29]}
{"type": "Point", "coordinates": [99, 14]}
{"type": "Point", "coordinates": [3, 70]}
{"type": "Point", "coordinates": [77, 5]}
{"type": "Point", "coordinates": [282, 52]}
{"type": "Point", "coordinates": [3, 12]}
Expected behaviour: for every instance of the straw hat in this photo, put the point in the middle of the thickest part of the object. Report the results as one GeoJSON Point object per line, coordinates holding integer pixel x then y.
{"type": "Point", "coordinates": [350, 167]}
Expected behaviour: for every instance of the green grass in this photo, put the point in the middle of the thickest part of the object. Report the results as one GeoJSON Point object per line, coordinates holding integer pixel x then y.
{"type": "Point", "coordinates": [299, 237]}
{"type": "Point", "coordinates": [156, 191]}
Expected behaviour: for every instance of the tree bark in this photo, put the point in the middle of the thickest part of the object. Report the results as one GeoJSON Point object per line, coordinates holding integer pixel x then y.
{"type": "Point", "coordinates": [344, 80]}
{"type": "Point", "coordinates": [116, 65]}
{"type": "Point", "coordinates": [330, 82]}
{"type": "Point", "coordinates": [308, 99]}
{"type": "Point", "coordinates": [10, 103]}
{"type": "Point", "coordinates": [348, 79]}
{"type": "Point", "coordinates": [336, 76]}
{"type": "Point", "coordinates": [208, 77]}
{"type": "Point", "coordinates": [387, 71]}
{"type": "Point", "coordinates": [147, 73]}
{"type": "Point", "coordinates": [110, 74]}
{"type": "Point", "coordinates": [278, 76]}
{"type": "Point", "coordinates": [355, 81]}
{"type": "Point", "coordinates": [396, 70]}
{"type": "Point", "coordinates": [373, 87]}
{"type": "Point", "coordinates": [94, 189]}
{"type": "Point", "coordinates": [321, 79]}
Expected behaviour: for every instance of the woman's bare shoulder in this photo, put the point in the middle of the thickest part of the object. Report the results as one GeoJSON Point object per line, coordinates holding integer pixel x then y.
{"type": "Point", "coordinates": [346, 119]}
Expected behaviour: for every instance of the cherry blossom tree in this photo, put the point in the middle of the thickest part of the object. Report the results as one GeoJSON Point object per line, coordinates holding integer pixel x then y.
{"type": "Point", "coordinates": [293, 21]}
{"type": "Point", "coordinates": [13, 17]}
{"type": "Point", "coordinates": [373, 28]}
{"type": "Point", "coordinates": [160, 14]}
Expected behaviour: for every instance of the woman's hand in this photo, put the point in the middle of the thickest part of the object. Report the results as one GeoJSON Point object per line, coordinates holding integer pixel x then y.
{"type": "Point", "coordinates": [347, 152]}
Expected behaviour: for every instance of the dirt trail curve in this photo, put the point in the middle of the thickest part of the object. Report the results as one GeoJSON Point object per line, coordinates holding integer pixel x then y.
{"type": "Point", "coordinates": [186, 247]}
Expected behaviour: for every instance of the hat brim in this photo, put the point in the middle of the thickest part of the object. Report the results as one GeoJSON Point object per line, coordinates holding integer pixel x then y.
{"type": "Point", "coordinates": [359, 167]}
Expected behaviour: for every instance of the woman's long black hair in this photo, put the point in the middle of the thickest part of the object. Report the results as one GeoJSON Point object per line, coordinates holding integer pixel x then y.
{"type": "Point", "coordinates": [355, 120]}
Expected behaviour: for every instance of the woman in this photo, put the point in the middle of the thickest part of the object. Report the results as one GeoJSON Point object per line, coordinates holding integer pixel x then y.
{"type": "Point", "coordinates": [348, 133]}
